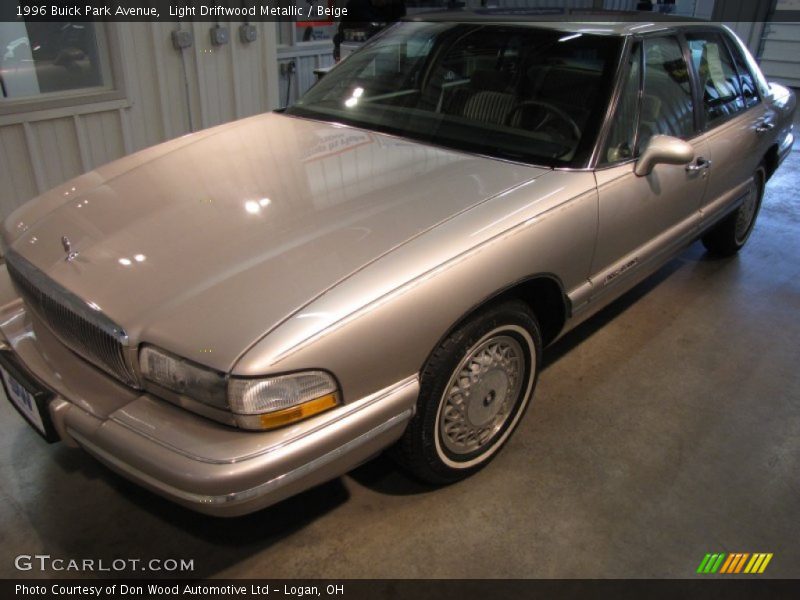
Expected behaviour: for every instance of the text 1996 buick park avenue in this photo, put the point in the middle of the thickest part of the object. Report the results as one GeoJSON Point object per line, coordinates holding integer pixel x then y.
{"type": "Point", "coordinates": [240, 314]}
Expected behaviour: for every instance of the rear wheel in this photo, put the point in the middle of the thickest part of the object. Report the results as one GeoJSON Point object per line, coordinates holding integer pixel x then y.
{"type": "Point", "coordinates": [473, 392]}
{"type": "Point", "coordinates": [732, 233]}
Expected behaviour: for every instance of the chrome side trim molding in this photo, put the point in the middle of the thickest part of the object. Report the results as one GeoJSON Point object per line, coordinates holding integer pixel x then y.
{"type": "Point", "coordinates": [251, 493]}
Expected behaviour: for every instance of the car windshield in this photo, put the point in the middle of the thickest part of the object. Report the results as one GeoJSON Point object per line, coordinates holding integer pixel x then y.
{"type": "Point", "coordinates": [512, 92]}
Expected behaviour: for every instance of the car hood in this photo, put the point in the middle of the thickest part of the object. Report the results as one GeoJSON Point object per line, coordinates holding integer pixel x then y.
{"type": "Point", "coordinates": [206, 243]}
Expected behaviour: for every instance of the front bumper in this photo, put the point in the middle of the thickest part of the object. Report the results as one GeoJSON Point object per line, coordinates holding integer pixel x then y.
{"type": "Point", "coordinates": [208, 467]}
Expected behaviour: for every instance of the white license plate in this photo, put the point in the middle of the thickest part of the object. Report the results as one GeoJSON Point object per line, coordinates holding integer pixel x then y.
{"type": "Point", "coordinates": [23, 400]}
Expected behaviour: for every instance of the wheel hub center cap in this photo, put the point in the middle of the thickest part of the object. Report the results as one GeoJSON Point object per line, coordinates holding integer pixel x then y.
{"type": "Point", "coordinates": [487, 397]}
{"type": "Point", "coordinates": [481, 394]}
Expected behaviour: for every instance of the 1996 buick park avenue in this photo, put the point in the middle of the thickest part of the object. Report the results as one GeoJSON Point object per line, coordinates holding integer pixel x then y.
{"type": "Point", "coordinates": [240, 314]}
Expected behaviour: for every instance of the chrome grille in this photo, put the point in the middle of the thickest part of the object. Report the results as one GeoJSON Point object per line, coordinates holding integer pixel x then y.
{"type": "Point", "coordinates": [85, 331]}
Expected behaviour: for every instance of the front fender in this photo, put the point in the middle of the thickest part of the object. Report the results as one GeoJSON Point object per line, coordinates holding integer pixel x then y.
{"type": "Point", "coordinates": [379, 325]}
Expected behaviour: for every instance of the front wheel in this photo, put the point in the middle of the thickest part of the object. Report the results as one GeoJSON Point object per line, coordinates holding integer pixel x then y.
{"type": "Point", "coordinates": [731, 234]}
{"type": "Point", "coordinates": [474, 390]}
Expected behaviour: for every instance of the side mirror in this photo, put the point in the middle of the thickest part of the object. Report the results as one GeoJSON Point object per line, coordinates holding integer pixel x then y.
{"type": "Point", "coordinates": [663, 149]}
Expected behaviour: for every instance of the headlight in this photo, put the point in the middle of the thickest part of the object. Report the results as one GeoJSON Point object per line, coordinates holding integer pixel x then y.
{"type": "Point", "coordinates": [250, 403]}
{"type": "Point", "coordinates": [183, 377]}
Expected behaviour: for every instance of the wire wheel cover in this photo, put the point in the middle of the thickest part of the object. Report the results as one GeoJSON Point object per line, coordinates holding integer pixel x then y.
{"type": "Point", "coordinates": [746, 213]}
{"type": "Point", "coordinates": [481, 395]}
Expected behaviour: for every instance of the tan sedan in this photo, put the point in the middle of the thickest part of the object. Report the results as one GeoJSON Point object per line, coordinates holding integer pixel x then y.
{"type": "Point", "coordinates": [237, 315]}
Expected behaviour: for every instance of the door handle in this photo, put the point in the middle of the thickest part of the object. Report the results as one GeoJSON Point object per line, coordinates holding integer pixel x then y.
{"type": "Point", "coordinates": [700, 164]}
{"type": "Point", "coordinates": [765, 126]}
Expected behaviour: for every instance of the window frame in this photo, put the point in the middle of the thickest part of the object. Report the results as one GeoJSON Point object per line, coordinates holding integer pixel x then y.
{"type": "Point", "coordinates": [759, 79]}
{"type": "Point", "coordinates": [630, 44]}
{"type": "Point", "coordinates": [697, 93]}
{"type": "Point", "coordinates": [625, 67]}
{"type": "Point", "coordinates": [115, 90]}
{"type": "Point", "coordinates": [735, 50]}
{"type": "Point", "coordinates": [700, 125]}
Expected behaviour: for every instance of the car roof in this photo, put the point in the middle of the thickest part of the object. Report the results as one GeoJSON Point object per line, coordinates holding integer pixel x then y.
{"type": "Point", "coordinates": [570, 20]}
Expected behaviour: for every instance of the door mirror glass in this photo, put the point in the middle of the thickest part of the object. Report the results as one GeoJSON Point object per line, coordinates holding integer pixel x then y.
{"type": "Point", "coordinates": [663, 149]}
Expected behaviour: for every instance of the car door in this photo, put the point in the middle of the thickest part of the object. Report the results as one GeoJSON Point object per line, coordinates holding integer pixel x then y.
{"type": "Point", "coordinates": [734, 120]}
{"type": "Point", "coordinates": [644, 218]}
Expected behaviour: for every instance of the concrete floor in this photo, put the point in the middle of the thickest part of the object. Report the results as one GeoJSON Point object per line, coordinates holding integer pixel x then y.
{"type": "Point", "coordinates": [666, 427]}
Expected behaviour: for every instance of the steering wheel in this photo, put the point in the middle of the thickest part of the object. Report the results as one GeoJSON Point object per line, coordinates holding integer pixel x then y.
{"type": "Point", "coordinates": [551, 113]}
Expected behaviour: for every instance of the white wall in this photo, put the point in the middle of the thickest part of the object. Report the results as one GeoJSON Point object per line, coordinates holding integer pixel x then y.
{"type": "Point", "coordinates": [41, 149]}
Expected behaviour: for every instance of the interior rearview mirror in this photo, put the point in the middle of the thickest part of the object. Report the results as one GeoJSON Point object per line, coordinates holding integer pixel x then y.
{"type": "Point", "coordinates": [663, 149]}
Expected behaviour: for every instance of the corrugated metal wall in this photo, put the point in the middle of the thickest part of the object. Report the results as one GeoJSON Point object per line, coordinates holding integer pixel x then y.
{"type": "Point", "coordinates": [39, 150]}
{"type": "Point", "coordinates": [682, 7]}
{"type": "Point", "coordinates": [307, 59]}
{"type": "Point", "coordinates": [687, 8]}
{"type": "Point", "coordinates": [750, 32]}
{"type": "Point", "coordinates": [541, 3]}
{"type": "Point", "coordinates": [780, 53]}
{"type": "Point", "coordinates": [620, 4]}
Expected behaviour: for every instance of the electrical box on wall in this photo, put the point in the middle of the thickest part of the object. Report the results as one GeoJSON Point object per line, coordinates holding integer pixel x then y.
{"type": "Point", "coordinates": [219, 35]}
{"type": "Point", "coordinates": [287, 68]}
{"type": "Point", "coordinates": [181, 39]}
{"type": "Point", "coordinates": [247, 33]}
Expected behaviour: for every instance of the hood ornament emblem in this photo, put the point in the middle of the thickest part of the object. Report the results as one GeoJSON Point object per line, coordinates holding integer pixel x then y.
{"type": "Point", "coordinates": [67, 245]}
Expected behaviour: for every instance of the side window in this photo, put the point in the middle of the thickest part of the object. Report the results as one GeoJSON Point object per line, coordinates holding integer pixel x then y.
{"type": "Point", "coordinates": [719, 81]}
{"type": "Point", "coordinates": [667, 106]}
{"type": "Point", "coordinates": [746, 80]}
{"type": "Point", "coordinates": [753, 69]}
{"type": "Point", "coordinates": [622, 136]}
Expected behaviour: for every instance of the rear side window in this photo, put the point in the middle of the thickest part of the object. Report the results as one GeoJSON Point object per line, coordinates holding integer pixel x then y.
{"type": "Point", "coordinates": [667, 106]}
{"type": "Point", "coordinates": [753, 68]}
{"type": "Point", "coordinates": [719, 80]}
{"type": "Point", "coordinates": [746, 80]}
